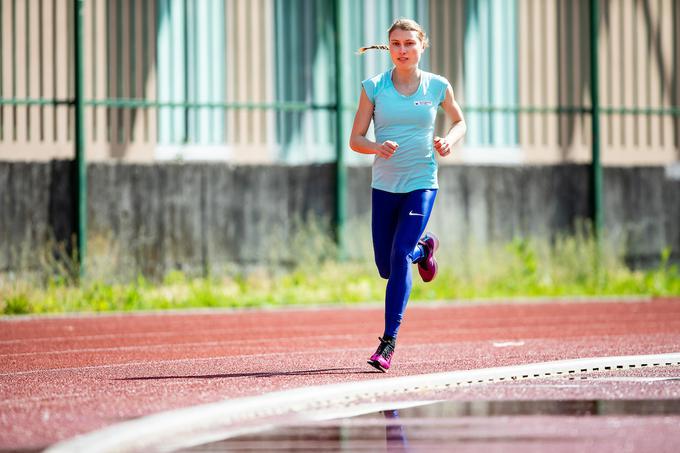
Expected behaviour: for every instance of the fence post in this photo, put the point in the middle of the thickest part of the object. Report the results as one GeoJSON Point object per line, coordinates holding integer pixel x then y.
{"type": "Point", "coordinates": [79, 138]}
{"type": "Point", "coordinates": [341, 170]}
{"type": "Point", "coordinates": [596, 165]}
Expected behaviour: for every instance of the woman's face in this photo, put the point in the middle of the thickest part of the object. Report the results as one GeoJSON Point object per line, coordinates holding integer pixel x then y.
{"type": "Point", "coordinates": [405, 48]}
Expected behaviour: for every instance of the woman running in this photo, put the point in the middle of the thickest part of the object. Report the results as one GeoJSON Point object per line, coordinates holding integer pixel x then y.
{"type": "Point", "coordinates": [403, 103]}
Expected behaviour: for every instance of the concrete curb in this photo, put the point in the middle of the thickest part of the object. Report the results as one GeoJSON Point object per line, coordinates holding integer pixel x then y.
{"type": "Point", "coordinates": [368, 305]}
{"type": "Point", "coordinates": [182, 428]}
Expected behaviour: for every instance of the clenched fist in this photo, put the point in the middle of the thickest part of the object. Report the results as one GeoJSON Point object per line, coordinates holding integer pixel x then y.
{"type": "Point", "coordinates": [387, 149]}
{"type": "Point", "coordinates": [442, 146]}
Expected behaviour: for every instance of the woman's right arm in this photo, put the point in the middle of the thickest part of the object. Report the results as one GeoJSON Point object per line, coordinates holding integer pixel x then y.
{"type": "Point", "coordinates": [362, 120]}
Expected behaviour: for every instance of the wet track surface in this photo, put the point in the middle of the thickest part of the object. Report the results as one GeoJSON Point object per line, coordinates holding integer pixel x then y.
{"type": "Point", "coordinates": [63, 376]}
{"type": "Point", "coordinates": [504, 426]}
{"type": "Point", "coordinates": [469, 421]}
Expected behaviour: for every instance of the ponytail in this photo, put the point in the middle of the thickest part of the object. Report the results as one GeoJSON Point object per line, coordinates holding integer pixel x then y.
{"type": "Point", "coordinates": [375, 46]}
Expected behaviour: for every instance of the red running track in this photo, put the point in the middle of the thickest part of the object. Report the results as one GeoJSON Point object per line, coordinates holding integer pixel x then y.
{"type": "Point", "coordinates": [63, 376]}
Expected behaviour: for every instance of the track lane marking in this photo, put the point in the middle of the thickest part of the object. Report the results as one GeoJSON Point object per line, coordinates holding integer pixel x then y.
{"type": "Point", "coordinates": [223, 356]}
{"type": "Point", "coordinates": [192, 359]}
{"type": "Point", "coordinates": [193, 344]}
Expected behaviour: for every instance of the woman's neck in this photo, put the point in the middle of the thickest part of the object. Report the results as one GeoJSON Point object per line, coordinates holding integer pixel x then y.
{"type": "Point", "coordinates": [406, 76]}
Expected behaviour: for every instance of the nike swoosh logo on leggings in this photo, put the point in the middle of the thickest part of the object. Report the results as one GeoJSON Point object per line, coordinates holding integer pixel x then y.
{"type": "Point", "coordinates": [415, 213]}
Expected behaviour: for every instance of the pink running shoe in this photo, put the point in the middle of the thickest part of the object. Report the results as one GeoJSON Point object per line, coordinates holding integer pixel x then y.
{"type": "Point", "coordinates": [427, 266]}
{"type": "Point", "coordinates": [383, 355]}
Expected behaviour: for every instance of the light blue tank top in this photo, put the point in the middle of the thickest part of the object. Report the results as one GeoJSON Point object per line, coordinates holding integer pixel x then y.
{"type": "Point", "coordinates": [409, 121]}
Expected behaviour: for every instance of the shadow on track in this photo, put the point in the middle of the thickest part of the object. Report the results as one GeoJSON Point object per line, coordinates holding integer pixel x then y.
{"type": "Point", "coordinates": [261, 374]}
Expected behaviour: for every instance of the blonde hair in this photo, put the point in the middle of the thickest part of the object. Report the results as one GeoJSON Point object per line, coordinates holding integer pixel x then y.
{"type": "Point", "coordinates": [401, 24]}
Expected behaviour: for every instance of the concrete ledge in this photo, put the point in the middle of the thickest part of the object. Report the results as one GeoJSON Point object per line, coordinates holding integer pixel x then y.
{"type": "Point", "coordinates": [183, 428]}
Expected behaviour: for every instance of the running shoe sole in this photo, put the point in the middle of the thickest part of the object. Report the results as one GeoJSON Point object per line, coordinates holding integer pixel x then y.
{"type": "Point", "coordinates": [375, 364]}
{"type": "Point", "coordinates": [427, 274]}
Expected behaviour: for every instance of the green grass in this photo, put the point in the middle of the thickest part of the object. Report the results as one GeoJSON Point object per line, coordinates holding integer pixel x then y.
{"type": "Point", "coordinates": [566, 266]}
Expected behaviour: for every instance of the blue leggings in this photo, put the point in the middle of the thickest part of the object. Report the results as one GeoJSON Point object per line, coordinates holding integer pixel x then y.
{"type": "Point", "coordinates": [398, 221]}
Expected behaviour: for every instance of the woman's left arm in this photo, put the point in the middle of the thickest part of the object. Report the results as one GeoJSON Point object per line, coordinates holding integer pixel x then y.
{"type": "Point", "coordinates": [443, 145]}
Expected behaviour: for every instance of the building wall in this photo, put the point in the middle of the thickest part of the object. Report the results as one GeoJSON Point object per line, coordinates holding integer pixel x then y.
{"type": "Point", "coordinates": [37, 62]}
{"type": "Point", "coordinates": [495, 52]}
{"type": "Point", "coordinates": [639, 52]}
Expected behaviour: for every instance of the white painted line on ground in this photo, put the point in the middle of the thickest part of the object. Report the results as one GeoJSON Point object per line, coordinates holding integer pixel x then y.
{"type": "Point", "coordinates": [178, 361]}
{"type": "Point", "coordinates": [634, 379]}
{"type": "Point", "coordinates": [182, 428]}
{"type": "Point", "coordinates": [507, 344]}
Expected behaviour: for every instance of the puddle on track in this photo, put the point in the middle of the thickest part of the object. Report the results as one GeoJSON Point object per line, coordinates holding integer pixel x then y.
{"type": "Point", "coordinates": [504, 425]}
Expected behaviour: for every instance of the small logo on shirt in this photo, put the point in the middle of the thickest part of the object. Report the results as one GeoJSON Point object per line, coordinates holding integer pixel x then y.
{"type": "Point", "coordinates": [415, 213]}
{"type": "Point", "coordinates": [422, 103]}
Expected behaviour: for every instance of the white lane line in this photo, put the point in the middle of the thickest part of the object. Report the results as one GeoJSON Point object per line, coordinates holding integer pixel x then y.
{"type": "Point", "coordinates": [42, 399]}
{"type": "Point", "coordinates": [634, 379]}
{"type": "Point", "coordinates": [164, 346]}
{"type": "Point", "coordinates": [507, 344]}
{"type": "Point", "coordinates": [260, 331]}
{"type": "Point", "coordinates": [183, 360]}
{"type": "Point", "coordinates": [171, 430]}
